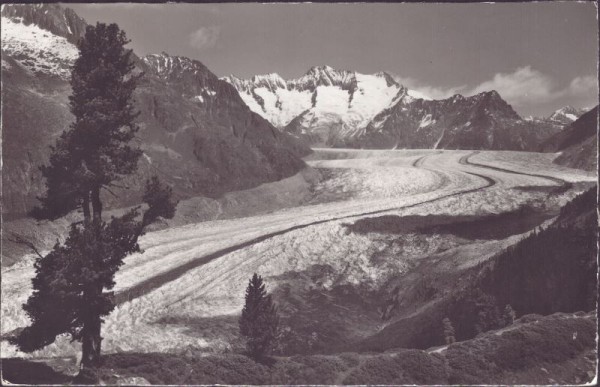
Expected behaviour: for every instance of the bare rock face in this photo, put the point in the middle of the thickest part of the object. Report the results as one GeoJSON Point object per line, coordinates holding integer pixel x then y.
{"type": "Point", "coordinates": [195, 131]}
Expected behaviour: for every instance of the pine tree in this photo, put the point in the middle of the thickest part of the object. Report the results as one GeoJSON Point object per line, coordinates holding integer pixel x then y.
{"type": "Point", "coordinates": [448, 331]}
{"type": "Point", "coordinates": [488, 316]}
{"type": "Point", "coordinates": [68, 287]}
{"type": "Point", "coordinates": [71, 289]}
{"type": "Point", "coordinates": [509, 315]}
{"type": "Point", "coordinates": [259, 321]}
{"type": "Point", "coordinates": [94, 152]}
{"type": "Point", "coordinates": [159, 198]}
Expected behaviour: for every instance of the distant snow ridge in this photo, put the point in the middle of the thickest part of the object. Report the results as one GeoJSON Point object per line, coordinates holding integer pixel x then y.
{"type": "Point", "coordinates": [196, 79]}
{"type": "Point", "coordinates": [322, 96]}
{"type": "Point", "coordinates": [567, 114]}
{"type": "Point", "coordinates": [38, 50]}
{"type": "Point", "coordinates": [165, 65]}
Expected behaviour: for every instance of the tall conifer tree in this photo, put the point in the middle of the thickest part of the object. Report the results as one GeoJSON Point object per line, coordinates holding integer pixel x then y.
{"type": "Point", "coordinates": [71, 289]}
{"type": "Point", "coordinates": [95, 151]}
{"type": "Point", "coordinates": [259, 321]}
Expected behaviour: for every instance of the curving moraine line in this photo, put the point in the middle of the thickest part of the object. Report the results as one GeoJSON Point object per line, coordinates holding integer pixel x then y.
{"type": "Point", "coordinates": [465, 161]}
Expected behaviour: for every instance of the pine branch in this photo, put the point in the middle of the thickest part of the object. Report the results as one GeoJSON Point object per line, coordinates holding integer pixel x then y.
{"type": "Point", "coordinates": [22, 241]}
{"type": "Point", "coordinates": [109, 191]}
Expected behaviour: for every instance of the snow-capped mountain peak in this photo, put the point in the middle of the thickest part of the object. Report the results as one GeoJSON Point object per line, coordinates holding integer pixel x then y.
{"type": "Point", "coordinates": [567, 114]}
{"type": "Point", "coordinates": [323, 93]}
{"type": "Point", "coordinates": [325, 76]}
{"type": "Point", "coordinates": [41, 37]}
{"type": "Point", "coordinates": [175, 67]}
{"type": "Point", "coordinates": [165, 65]}
{"type": "Point", "coordinates": [271, 81]}
{"type": "Point", "coordinates": [194, 80]}
{"type": "Point", "coordinates": [37, 50]}
{"type": "Point", "coordinates": [63, 22]}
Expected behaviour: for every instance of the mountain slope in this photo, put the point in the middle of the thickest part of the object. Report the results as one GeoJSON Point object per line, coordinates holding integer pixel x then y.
{"type": "Point", "coordinates": [196, 132]}
{"type": "Point", "coordinates": [578, 143]}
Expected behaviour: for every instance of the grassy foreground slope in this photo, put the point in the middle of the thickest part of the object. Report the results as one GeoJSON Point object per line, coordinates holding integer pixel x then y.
{"type": "Point", "coordinates": [559, 348]}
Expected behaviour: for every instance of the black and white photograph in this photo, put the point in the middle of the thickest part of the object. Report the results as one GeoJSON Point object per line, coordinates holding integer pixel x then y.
{"type": "Point", "coordinates": [299, 193]}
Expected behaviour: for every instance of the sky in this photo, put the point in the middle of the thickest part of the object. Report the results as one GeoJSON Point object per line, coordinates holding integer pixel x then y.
{"type": "Point", "coordinates": [538, 56]}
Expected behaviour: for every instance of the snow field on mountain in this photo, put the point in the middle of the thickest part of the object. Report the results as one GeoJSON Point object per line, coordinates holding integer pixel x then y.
{"type": "Point", "coordinates": [37, 49]}
{"type": "Point", "coordinates": [334, 104]}
{"type": "Point", "coordinates": [283, 101]}
{"type": "Point", "coordinates": [372, 96]}
{"type": "Point", "coordinates": [331, 99]}
{"type": "Point", "coordinates": [572, 117]}
{"type": "Point", "coordinates": [280, 106]}
{"type": "Point", "coordinates": [200, 307]}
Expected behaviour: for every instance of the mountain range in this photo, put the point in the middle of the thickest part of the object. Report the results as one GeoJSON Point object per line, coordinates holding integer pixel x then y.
{"type": "Point", "coordinates": [322, 101]}
{"type": "Point", "coordinates": [195, 131]}
{"type": "Point", "coordinates": [340, 108]}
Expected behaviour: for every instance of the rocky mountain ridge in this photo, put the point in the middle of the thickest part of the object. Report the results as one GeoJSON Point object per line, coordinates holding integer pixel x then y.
{"type": "Point", "coordinates": [63, 22]}
{"type": "Point", "coordinates": [482, 121]}
{"type": "Point", "coordinates": [323, 97]}
{"type": "Point", "coordinates": [339, 108]}
{"type": "Point", "coordinates": [35, 48]}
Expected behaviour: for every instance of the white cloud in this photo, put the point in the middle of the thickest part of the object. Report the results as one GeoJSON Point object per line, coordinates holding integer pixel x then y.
{"type": "Point", "coordinates": [525, 86]}
{"type": "Point", "coordinates": [529, 87]}
{"type": "Point", "coordinates": [583, 86]}
{"type": "Point", "coordinates": [430, 91]}
{"type": "Point", "coordinates": [204, 37]}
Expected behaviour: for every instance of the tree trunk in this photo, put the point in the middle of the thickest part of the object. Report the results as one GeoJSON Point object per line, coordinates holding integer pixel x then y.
{"type": "Point", "coordinates": [91, 342]}
{"type": "Point", "coordinates": [96, 204]}
{"type": "Point", "coordinates": [86, 207]}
